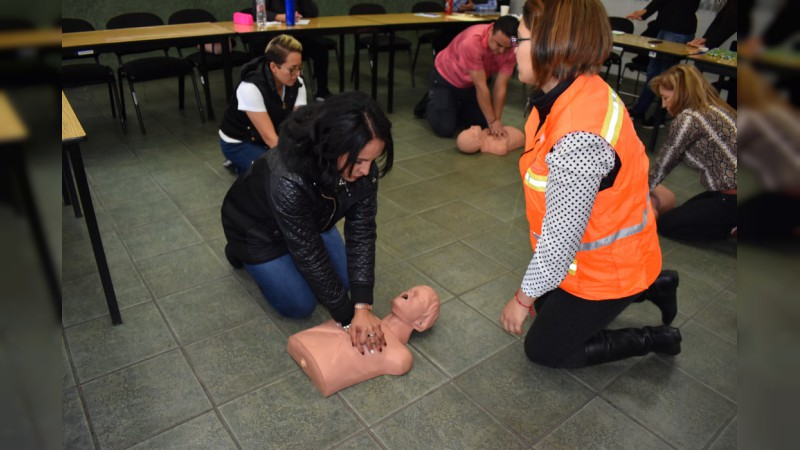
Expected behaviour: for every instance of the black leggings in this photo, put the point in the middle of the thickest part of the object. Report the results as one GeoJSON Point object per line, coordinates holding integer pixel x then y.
{"type": "Point", "coordinates": [706, 216]}
{"type": "Point", "coordinates": [564, 323]}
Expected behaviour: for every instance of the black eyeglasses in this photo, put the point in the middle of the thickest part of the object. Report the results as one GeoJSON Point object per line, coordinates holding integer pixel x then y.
{"type": "Point", "coordinates": [292, 70]}
{"type": "Point", "coordinates": [515, 41]}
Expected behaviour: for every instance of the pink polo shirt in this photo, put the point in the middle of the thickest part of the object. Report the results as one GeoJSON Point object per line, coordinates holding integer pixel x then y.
{"type": "Point", "coordinates": [469, 51]}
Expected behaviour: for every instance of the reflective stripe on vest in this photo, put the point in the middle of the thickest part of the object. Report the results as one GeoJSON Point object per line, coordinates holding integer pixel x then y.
{"type": "Point", "coordinates": [535, 182]}
{"type": "Point", "coordinates": [613, 120]}
{"type": "Point", "coordinates": [611, 238]}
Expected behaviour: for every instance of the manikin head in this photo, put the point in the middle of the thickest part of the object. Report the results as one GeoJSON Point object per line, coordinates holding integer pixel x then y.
{"type": "Point", "coordinates": [418, 306]}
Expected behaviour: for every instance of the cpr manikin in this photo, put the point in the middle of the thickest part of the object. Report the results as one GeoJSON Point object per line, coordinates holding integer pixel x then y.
{"type": "Point", "coordinates": [475, 139]}
{"type": "Point", "coordinates": [326, 355]}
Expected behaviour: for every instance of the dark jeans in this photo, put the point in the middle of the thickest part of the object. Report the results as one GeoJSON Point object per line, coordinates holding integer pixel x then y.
{"type": "Point", "coordinates": [451, 109]}
{"type": "Point", "coordinates": [658, 65]}
{"type": "Point", "coordinates": [242, 154]}
{"type": "Point", "coordinates": [706, 216]}
{"type": "Point", "coordinates": [563, 325]}
{"type": "Point", "coordinates": [286, 289]}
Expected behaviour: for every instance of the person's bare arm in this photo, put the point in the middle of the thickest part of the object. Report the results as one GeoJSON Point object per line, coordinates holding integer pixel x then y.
{"type": "Point", "coordinates": [265, 127]}
{"type": "Point", "coordinates": [499, 92]}
{"type": "Point", "coordinates": [485, 99]}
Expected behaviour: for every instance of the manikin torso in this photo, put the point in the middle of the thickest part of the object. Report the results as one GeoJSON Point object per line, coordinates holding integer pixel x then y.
{"type": "Point", "coordinates": [328, 358]}
{"type": "Point", "coordinates": [475, 139]}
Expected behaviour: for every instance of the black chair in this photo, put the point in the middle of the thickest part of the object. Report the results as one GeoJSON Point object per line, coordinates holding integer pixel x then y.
{"type": "Point", "coordinates": [257, 44]}
{"type": "Point", "coordinates": [383, 43]}
{"type": "Point", "coordinates": [202, 59]}
{"type": "Point", "coordinates": [626, 26]}
{"type": "Point", "coordinates": [428, 36]}
{"type": "Point", "coordinates": [151, 67]}
{"type": "Point", "coordinates": [89, 73]}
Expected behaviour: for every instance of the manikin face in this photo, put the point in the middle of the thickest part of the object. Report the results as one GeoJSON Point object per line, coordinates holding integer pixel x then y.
{"type": "Point", "coordinates": [499, 43]}
{"type": "Point", "coordinates": [417, 303]}
{"type": "Point", "coordinates": [667, 97]}
{"type": "Point", "coordinates": [369, 153]}
{"type": "Point", "coordinates": [523, 53]}
{"type": "Point", "coordinates": [288, 72]}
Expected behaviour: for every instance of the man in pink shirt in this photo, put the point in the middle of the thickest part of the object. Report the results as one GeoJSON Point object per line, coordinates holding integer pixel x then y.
{"type": "Point", "coordinates": [459, 95]}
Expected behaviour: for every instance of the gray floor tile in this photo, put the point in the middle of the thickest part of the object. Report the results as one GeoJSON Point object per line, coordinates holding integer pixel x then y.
{"type": "Point", "coordinates": [710, 359]}
{"type": "Point", "coordinates": [411, 236]}
{"type": "Point", "coordinates": [207, 222]}
{"type": "Point", "coordinates": [84, 298]}
{"type": "Point", "coordinates": [461, 219]}
{"type": "Point", "coordinates": [490, 299]}
{"type": "Point", "coordinates": [599, 426]}
{"type": "Point", "coordinates": [143, 400]}
{"type": "Point", "coordinates": [141, 211]}
{"type": "Point", "coordinates": [208, 309]}
{"type": "Point", "coordinates": [506, 244]}
{"type": "Point", "coordinates": [444, 419]}
{"type": "Point", "coordinates": [720, 317]}
{"type": "Point", "coordinates": [97, 347]}
{"type": "Point", "coordinates": [158, 238]}
{"type": "Point", "coordinates": [460, 338]}
{"type": "Point", "coordinates": [293, 418]}
{"type": "Point", "coordinates": [203, 433]}
{"type": "Point", "coordinates": [362, 441]}
{"type": "Point", "coordinates": [181, 269]}
{"type": "Point", "coordinates": [527, 398]}
{"type": "Point", "coordinates": [238, 360]}
{"type": "Point", "coordinates": [375, 399]}
{"type": "Point", "coordinates": [505, 202]}
{"type": "Point", "coordinates": [727, 440]}
{"type": "Point", "coordinates": [457, 267]}
{"type": "Point", "coordinates": [75, 429]}
{"type": "Point", "coordinates": [422, 196]}
{"type": "Point", "coordinates": [669, 403]}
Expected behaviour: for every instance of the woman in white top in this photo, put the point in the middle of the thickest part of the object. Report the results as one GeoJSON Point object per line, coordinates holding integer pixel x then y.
{"type": "Point", "coordinates": [269, 90]}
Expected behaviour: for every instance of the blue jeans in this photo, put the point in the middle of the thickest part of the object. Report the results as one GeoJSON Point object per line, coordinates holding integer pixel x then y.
{"type": "Point", "coordinates": [285, 288]}
{"type": "Point", "coordinates": [242, 154]}
{"type": "Point", "coordinates": [658, 65]}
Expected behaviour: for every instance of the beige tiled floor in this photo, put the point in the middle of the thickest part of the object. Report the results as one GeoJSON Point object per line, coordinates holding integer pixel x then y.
{"type": "Point", "coordinates": [200, 360]}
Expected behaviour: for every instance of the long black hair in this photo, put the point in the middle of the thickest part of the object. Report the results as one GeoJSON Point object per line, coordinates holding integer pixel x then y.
{"type": "Point", "coordinates": [314, 137]}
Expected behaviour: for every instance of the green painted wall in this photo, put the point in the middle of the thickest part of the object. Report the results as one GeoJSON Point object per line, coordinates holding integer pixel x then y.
{"type": "Point", "coordinates": [98, 12]}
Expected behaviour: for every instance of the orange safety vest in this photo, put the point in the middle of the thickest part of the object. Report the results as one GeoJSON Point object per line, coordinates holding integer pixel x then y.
{"type": "Point", "coordinates": [619, 253]}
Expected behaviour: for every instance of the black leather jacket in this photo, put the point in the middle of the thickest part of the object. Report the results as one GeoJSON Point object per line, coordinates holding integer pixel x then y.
{"type": "Point", "coordinates": [270, 211]}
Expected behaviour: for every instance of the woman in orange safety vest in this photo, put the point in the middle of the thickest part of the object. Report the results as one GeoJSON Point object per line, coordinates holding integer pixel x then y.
{"type": "Point", "coordinates": [584, 174]}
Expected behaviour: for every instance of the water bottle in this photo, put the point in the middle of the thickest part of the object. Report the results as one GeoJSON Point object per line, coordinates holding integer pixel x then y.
{"type": "Point", "coordinates": [261, 13]}
{"type": "Point", "coordinates": [289, 6]}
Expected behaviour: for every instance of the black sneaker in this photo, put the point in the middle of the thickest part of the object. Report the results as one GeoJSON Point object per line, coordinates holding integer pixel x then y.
{"type": "Point", "coordinates": [421, 110]}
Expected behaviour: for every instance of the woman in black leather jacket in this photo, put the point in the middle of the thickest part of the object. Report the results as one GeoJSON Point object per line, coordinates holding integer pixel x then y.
{"type": "Point", "coordinates": [279, 218]}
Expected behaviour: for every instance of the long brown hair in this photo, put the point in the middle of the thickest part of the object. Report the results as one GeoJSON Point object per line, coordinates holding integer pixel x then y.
{"type": "Point", "coordinates": [568, 37]}
{"type": "Point", "coordinates": [691, 89]}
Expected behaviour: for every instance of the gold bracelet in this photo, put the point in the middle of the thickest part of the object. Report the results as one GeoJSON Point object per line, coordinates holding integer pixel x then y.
{"type": "Point", "coordinates": [366, 306]}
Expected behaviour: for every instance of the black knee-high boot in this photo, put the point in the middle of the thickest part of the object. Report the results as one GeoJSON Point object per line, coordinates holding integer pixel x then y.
{"type": "Point", "coordinates": [664, 294]}
{"type": "Point", "coordinates": [613, 345]}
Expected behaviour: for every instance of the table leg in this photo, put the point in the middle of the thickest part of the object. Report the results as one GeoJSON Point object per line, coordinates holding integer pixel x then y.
{"type": "Point", "coordinates": [69, 184]}
{"type": "Point", "coordinates": [94, 232]}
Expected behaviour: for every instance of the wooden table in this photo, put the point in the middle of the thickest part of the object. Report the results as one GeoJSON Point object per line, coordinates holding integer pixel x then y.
{"type": "Point", "coordinates": [72, 135]}
{"type": "Point", "coordinates": [636, 42]}
{"type": "Point", "coordinates": [13, 137]}
{"type": "Point", "coordinates": [317, 26]}
{"type": "Point", "coordinates": [105, 41]}
{"type": "Point", "coordinates": [719, 66]}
